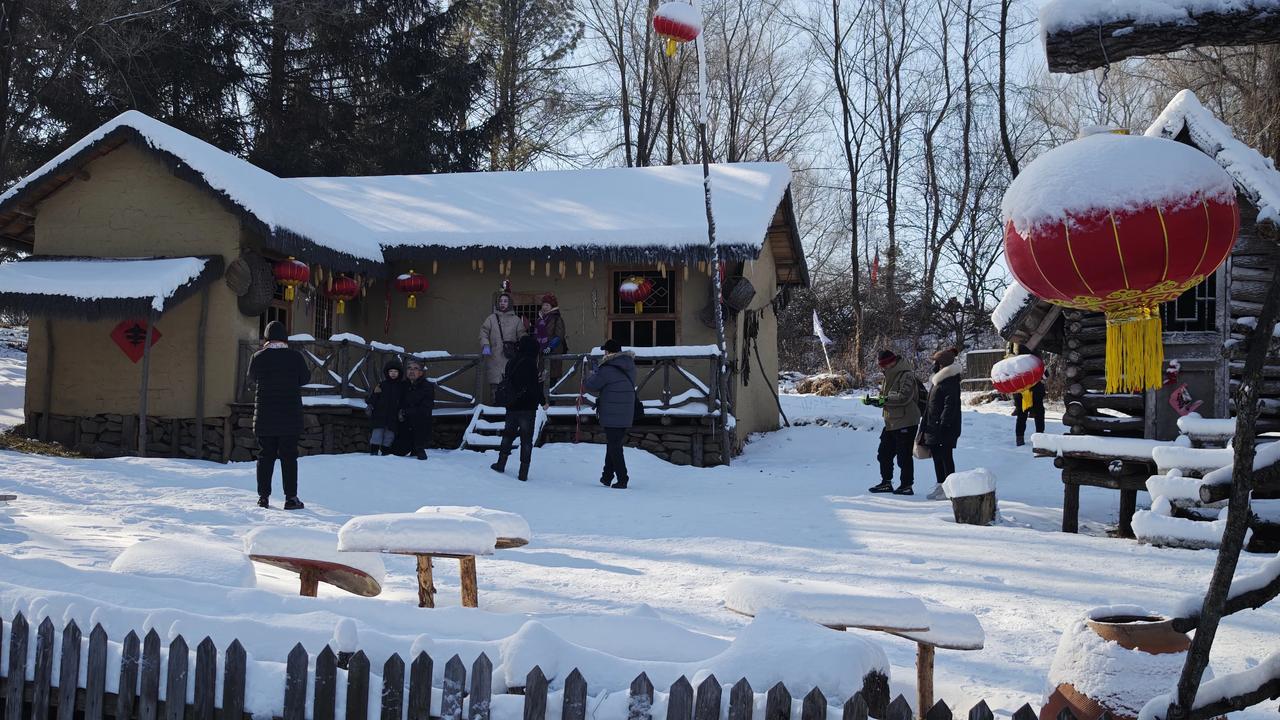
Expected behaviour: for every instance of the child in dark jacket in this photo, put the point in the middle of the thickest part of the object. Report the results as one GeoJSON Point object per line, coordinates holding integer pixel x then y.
{"type": "Point", "coordinates": [384, 409]}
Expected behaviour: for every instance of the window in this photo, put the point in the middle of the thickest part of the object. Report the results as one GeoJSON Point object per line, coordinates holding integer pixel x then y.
{"type": "Point", "coordinates": [323, 317]}
{"type": "Point", "coordinates": [655, 325]}
{"type": "Point", "coordinates": [1195, 310]}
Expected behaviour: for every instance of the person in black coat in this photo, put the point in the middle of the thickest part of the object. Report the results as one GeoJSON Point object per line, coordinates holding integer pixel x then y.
{"type": "Point", "coordinates": [614, 381]}
{"type": "Point", "coordinates": [940, 427]}
{"type": "Point", "coordinates": [416, 410]}
{"type": "Point", "coordinates": [523, 388]}
{"type": "Point", "coordinates": [384, 409]}
{"type": "Point", "coordinates": [278, 373]}
{"type": "Point", "coordinates": [1035, 410]}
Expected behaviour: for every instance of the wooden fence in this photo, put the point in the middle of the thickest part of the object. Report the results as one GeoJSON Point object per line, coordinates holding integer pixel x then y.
{"type": "Point", "coordinates": [57, 694]}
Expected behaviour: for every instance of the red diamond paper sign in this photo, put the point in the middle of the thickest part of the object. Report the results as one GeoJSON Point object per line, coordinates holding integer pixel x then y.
{"type": "Point", "coordinates": [131, 336]}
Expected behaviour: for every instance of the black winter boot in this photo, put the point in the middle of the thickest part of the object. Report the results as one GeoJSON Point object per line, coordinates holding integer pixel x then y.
{"type": "Point", "coordinates": [373, 449]}
{"type": "Point", "coordinates": [524, 472]}
{"type": "Point", "coordinates": [605, 480]}
{"type": "Point", "coordinates": [1020, 441]}
{"type": "Point", "coordinates": [293, 503]}
{"type": "Point", "coordinates": [386, 450]}
{"type": "Point", "coordinates": [884, 487]}
{"type": "Point", "coordinates": [264, 501]}
{"type": "Point", "coordinates": [501, 465]}
{"type": "Point", "coordinates": [621, 484]}
{"type": "Point", "coordinates": [904, 490]}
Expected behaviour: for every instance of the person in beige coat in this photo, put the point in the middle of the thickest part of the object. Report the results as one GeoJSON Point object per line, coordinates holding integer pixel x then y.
{"type": "Point", "coordinates": [498, 336]}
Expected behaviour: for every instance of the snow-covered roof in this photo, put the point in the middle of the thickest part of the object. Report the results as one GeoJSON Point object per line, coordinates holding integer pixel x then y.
{"type": "Point", "coordinates": [1011, 304]}
{"type": "Point", "coordinates": [101, 287]}
{"type": "Point", "coordinates": [614, 210]}
{"type": "Point", "coordinates": [294, 220]}
{"type": "Point", "coordinates": [1254, 174]}
{"type": "Point", "coordinates": [1066, 15]}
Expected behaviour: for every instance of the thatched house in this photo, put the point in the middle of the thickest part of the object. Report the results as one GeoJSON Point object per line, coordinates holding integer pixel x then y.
{"type": "Point", "coordinates": [106, 222]}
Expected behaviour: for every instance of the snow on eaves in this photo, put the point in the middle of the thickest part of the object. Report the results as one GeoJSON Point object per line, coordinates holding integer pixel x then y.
{"type": "Point", "coordinates": [152, 279]}
{"type": "Point", "coordinates": [1015, 299]}
{"type": "Point", "coordinates": [1254, 174]}
{"type": "Point", "coordinates": [283, 208]}
{"type": "Point", "coordinates": [645, 208]}
{"type": "Point", "coordinates": [1059, 16]}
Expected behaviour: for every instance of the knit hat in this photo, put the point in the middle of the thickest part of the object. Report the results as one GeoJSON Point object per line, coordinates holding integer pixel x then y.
{"type": "Point", "coordinates": [886, 358]}
{"type": "Point", "coordinates": [611, 346]}
{"type": "Point", "coordinates": [945, 357]}
{"type": "Point", "coordinates": [550, 299]}
{"type": "Point", "coordinates": [276, 332]}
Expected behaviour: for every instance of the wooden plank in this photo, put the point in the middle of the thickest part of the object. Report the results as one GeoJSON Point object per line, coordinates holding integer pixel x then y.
{"type": "Point", "coordinates": [575, 697]}
{"type": "Point", "coordinates": [924, 676]}
{"type": "Point", "coordinates": [899, 709]}
{"type": "Point", "coordinates": [358, 687]}
{"type": "Point", "coordinates": [295, 683]}
{"type": "Point", "coordinates": [324, 703]}
{"type": "Point", "coordinates": [939, 711]}
{"type": "Point", "coordinates": [535, 695]}
{"type": "Point", "coordinates": [742, 701]}
{"type": "Point", "coordinates": [981, 711]}
{"type": "Point", "coordinates": [206, 680]}
{"type": "Point", "coordinates": [707, 703]}
{"type": "Point", "coordinates": [455, 682]}
{"type": "Point", "coordinates": [392, 688]}
{"type": "Point", "coordinates": [419, 687]}
{"type": "Point", "coordinates": [143, 392]}
{"type": "Point", "coordinates": [127, 688]}
{"type": "Point", "coordinates": [47, 416]}
{"type": "Point", "coordinates": [478, 705]}
{"type": "Point", "coordinates": [426, 584]}
{"type": "Point", "coordinates": [470, 589]}
{"type": "Point", "coordinates": [814, 706]}
{"type": "Point", "coordinates": [68, 671]}
{"type": "Point", "coordinates": [855, 708]}
{"type": "Point", "coordinates": [680, 700]}
{"type": "Point", "coordinates": [234, 666]}
{"type": "Point", "coordinates": [19, 635]}
{"type": "Point", "coordinates": [43, 671]}
{"type": "Point", "coordinates": [777, 704]}
{"type": "Point", "coordinates": [149, 682]}
{"type": "Point", "coordinates": [1026, 712]}
{"type": "Point", "coordinates": [95, 686]}
{"type": "Point", "coordinates": [640, 701]}
{"type": "Point", "coordinates": [202, 332]}
{"type": "Point", "coordinates": [176, 680]}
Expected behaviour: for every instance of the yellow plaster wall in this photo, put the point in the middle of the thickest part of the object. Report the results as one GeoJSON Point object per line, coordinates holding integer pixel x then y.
{"type": "Point", "coordinates": [755, 408]}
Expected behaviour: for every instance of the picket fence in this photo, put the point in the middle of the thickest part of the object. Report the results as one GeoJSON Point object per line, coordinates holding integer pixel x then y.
{"type": "Point", "coordinates": [60, 696]}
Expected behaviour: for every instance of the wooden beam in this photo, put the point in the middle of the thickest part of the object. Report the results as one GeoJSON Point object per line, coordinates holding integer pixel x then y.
{"type": "Point", "coordinates": [48, 380]}
{"type": "Point", "coordinates": [202, 331]}
{"type": "Point", "coordinates": [142, 391]}
{"type": "Point", "coordinates": [1094, 46]}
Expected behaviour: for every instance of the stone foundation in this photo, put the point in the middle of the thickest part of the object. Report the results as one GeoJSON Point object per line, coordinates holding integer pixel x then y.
{"type": "Point", "coordinates": [336, 430]}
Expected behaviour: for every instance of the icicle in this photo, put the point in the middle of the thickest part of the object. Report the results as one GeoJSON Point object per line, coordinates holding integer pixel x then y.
{"type": "Point", "coordinates": [591, 270]}
{"type": "Point", "coordinates": [562, 268]}
{"type": "Point", "coordinates": [533, 268]}
{"type": "Point", "coordinates": [579, 265]}
{"type": "Point", "coordinates": [662, 270]}
{"type": "Point", "coordinates": [435, 266]}
{"type": "Point", "coordinates": [686, 272]}
{"type": "Point", "coordinates": [482, 266]}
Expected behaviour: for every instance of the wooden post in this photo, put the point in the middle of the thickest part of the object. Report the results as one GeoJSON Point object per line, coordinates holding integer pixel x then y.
{"type": "Point", "coordinates": [142, 392]}
{"type": "Point", "coordinates": [924, 678]}
{"type": "Point", "coordinates": [426, 588]}
{"type": "Point", "coordinates": [310, 582]}
{"type": "Point", "coordinates": [1128, 506]}
{"type": "Point", "coordinates": [470, 589]}
{"type": "Point", "coordinates": [1070, 507]}
{"type": "Point", "coordinates": [202, 331]}
{"type": "Point", "coordinates": [48, 380]}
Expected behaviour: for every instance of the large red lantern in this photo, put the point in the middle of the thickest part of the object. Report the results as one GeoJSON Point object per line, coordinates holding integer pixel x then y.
{"type": "Point", "coordinates": [1018, 374]}
{"type": "Point", "coordinates": [291, 273]}
{"type": "Point", "coordinates": [343, 289]}
{"type": "Point", "coordinates": [635, 290]}
{"type": "Point", "coordinates": [677, 23]}
{"type": "Point", "coordinates": [411, 284]}
{"type": "Point", "coordinates": [1118, 224]}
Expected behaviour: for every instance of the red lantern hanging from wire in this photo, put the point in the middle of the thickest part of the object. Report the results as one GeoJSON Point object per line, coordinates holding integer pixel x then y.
{"type": "Point", "coordinates": [1117, 224]}
{"type": "Point", "coordinates": [677, 23]}
{"type": "Point", "coordinates": [342, 289]}
{"type": "Point", "coordinates": [636, 290]}
{"type": "Point", "coordinates": [412, 284]}
{"type": "Point", "coordinates": [291, 273]}
{"type": "Point", "coordinates": [1017, 375]}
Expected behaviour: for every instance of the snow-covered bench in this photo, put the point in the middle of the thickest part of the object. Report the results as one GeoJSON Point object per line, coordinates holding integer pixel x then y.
{"type": "Point", "coordinates": [512, 529]}
{"type": "Point", "coordinates": [425, 536]}
{"type": "Point", "coordinates": [841, 607]}
{"type": "Point", "coordinates": [313, 554]}
{"type": "Point", "coordinates": [1122, 464]}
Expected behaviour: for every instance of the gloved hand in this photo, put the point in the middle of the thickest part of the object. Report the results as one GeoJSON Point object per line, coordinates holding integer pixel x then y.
{"type": "Point", "coordinates": [546, 350]}
{"type": "Point", "coordinates": [486, 351]}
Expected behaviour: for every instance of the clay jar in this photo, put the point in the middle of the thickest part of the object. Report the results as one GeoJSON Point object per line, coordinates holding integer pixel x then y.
{"type": "Point", "coordinates": [1151, 634]}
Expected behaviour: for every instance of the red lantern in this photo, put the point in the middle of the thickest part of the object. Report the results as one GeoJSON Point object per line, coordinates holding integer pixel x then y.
{"type": "Point", "coordinates": [1017, 374]}
{"type": "Point", "coordinates": [343, 289]}
{"type": "Point", "coordinates": [1117, 224]}
{"type": "Point", "coordinates": [411, 283]}
{"type": "Point", "coordinates": [676, 22]}
{"type": "Point", "coordinates": [636, 290]}
{"type": "Point", "coordinates": [291, 273]}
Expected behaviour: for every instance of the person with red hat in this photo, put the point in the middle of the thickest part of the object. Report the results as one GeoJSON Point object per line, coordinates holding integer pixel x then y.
{"type": "Point", "coordinates": [899, 400]}
{"type": "Point", "coordinates": [550, 332]}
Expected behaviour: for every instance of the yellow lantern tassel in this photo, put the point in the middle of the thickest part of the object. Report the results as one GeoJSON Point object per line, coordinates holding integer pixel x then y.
{"type": "Point", "coordinates": [1135, 350]}
{"type": "Point", "coordinates": [288, 293]}
{"type": "Point", "coordinates": [639, 308]}
{"type": "Point", "coordinates": [1026, 401]}
{"type": "Point", "coordinates": [671, 47]}
{"type": "Point", "coordinates": [342, 307]}
{"type": "Point", "coordinates": [413, 302]}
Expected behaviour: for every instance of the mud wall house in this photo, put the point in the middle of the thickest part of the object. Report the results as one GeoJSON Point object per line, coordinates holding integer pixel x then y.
{"type": "Point", "coordinates": [1206, 330]}
{"type": "Point", "coordinates": [98, 220]}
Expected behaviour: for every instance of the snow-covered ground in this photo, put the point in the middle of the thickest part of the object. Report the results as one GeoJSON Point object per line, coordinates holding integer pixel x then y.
{"type": "Point", "coordinates": [616, 582]}
{"type": "Point", "coordinates": [13, 369]}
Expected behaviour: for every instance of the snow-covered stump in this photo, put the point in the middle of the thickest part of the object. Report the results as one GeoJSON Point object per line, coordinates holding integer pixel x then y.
{"type": "Point", "coordinates": [973, 496]}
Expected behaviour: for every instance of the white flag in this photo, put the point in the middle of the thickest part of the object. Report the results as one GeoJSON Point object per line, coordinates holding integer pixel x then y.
{"type": "Point", "coordinates": [817, 329]}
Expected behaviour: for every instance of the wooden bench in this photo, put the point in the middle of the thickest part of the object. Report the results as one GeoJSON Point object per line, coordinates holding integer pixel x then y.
{"type": "Point", "coordinates": [314, 556]}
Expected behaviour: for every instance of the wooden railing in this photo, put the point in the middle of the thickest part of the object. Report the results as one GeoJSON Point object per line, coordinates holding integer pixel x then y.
{"type": "Point", "coordinates": [58, 694]}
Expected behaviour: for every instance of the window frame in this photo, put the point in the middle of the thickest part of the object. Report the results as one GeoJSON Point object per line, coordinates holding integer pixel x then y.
{"type": "Point", "coordinates": [615, 274]}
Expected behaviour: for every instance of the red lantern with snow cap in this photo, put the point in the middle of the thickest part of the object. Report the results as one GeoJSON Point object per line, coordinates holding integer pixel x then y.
{"type": "Point", "coordinates": [342, 289]}
{"type": "Point", "coordinates": [1018, 374]}
{"type": "Point", "coordinates": [411, 283]}
{"type": "Point", "coordinates": [635, 290]}
{"type": "Point", "coordinates": [291, 273]}
{"type": "Point", "coordinates": [1117, 224]}
{"type": "Point", "coordinates": [677, 23]}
